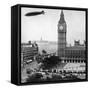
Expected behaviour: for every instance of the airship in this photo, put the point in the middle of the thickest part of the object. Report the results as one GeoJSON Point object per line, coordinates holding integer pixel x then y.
{"type": "Point", "coordinates": [34, 13]}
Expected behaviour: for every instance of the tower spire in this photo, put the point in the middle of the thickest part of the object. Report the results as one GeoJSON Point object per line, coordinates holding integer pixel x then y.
{"type": "Point", "coordinates": [41, 39]}
{"type": "Point", "coordinates": [61, 35]}
{"type": "Point", "coordinates": [62, 20]}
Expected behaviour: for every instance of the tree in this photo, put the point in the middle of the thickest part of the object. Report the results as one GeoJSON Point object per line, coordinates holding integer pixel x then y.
{"type": "Point", "coordinates": [44, 52]}
{"type": "Point", "coordinates": [51, 62]}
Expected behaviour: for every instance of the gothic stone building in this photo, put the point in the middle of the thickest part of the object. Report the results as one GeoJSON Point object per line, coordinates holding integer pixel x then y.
{"type": "Point", "coordinates": [69, 54]}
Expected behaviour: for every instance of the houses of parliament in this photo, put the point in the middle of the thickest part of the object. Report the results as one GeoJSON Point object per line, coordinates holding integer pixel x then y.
{"type": "Point", "coordinates": [69, 54]}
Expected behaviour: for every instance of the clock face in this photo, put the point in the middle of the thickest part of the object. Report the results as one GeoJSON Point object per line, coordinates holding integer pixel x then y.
{"type": "Point", "coordinates": [61, 27]}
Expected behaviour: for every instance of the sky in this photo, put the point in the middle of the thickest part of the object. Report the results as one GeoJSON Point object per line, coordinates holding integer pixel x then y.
{"type": "Point", "coordinates": [45, 26]}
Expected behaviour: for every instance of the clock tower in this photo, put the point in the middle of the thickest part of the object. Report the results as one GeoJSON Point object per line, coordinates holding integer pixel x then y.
{"type": "Point", "coordinates": [61, 35]}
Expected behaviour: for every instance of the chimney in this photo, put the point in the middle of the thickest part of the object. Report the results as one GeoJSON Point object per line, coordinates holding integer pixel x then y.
{"type": "Point", "coordinates": [29, 42]}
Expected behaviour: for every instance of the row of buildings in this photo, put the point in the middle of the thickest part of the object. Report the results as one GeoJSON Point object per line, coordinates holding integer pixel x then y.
{"type": "Point", "coordinates": [28, 51]}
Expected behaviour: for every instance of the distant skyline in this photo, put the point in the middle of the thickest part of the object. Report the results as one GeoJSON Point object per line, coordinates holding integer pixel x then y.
{"type": "Point", "coordinates": [45, 26]}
